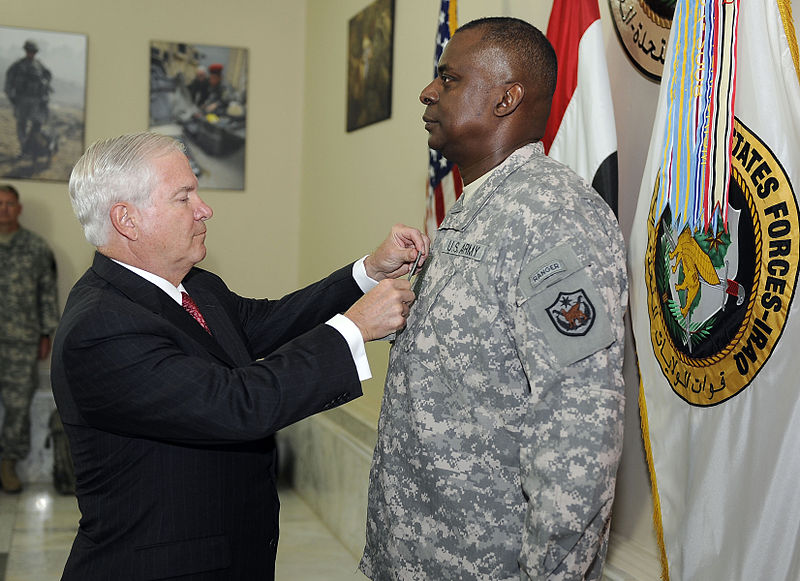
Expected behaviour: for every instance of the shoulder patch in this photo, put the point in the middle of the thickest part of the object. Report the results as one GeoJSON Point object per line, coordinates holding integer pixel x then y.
{"type": "Point", "coordinates": [547, 269]}
{"type": "Point", "coordinates": [572, 313]}
{"type": "Point", "coordinates": [571, 318]}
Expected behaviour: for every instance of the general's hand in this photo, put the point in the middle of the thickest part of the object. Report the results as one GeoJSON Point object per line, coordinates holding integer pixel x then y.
{"type": "Point", "coordinates": [383, 310]}
{"type": "Point", "coordinates": [395, 256]}
{"type": "Point", "coordinates": [44, 347]}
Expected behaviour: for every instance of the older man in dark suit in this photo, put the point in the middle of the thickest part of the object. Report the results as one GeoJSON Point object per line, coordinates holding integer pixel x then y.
{"type": "Point", "coordinates": [170, 386]}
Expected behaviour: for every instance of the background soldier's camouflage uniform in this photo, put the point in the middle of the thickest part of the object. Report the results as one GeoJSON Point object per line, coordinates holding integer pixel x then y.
{"type": "Point", "coordinates": [29, 310]}
{"type": "Point", "coordinates": [500, 435]}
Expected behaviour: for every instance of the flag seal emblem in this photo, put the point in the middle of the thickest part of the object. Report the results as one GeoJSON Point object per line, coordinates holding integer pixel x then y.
{"type": "Point", "coordinates": [572, 313]}
{"type": "Point", "coordinates": [643, 30]}
{"type": "Point", "coordinates": [719, 296]}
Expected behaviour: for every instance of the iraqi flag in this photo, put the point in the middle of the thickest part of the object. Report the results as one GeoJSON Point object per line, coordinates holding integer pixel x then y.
{"type": "Point", "coordinates": [580, 131]}
{"type": "Point", "coordinates": [713, 262]}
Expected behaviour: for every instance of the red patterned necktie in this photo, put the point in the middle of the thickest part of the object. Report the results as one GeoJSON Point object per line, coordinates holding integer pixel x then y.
{"type": "Point", "coordinates": [192, 309]}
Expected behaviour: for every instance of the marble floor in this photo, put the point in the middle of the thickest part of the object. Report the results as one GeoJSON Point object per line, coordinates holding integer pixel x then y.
{"type": "Point", "coordinates": [37, 528]}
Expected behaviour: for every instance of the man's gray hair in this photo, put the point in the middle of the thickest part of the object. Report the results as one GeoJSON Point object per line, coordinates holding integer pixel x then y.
{"type": "Point", "coordinates": [111, 171]}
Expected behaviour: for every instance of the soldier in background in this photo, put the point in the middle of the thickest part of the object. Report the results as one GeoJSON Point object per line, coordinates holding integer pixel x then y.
{"type": "Point", "coordinates": [219, 93]}
{"type": "Point", "coordinates": [28, 88]}
{"type": "Point", "coordinates": [501, 426]}
{"type": "Point", "coordinates": [28, 317]}
{"type": "Point", "coordinates": [198, 88]}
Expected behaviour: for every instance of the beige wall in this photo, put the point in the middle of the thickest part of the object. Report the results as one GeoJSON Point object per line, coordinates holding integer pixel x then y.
{"type": "Point", "coordinates": [253, 236]}
{"type": "Point", "coordinates": [315, 196]}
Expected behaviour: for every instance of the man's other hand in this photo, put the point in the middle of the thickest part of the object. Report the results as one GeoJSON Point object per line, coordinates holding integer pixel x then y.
{"type": "Point", "coordinates": [383, 310]}
{"type": "Point", "coordinates": [396, 255]}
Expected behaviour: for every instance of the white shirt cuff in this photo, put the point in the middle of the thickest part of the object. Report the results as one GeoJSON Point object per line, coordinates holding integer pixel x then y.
{"type": "Point", "coordinates": [364, 282]}
{"type": "Point", "coordinates": [349, 330]}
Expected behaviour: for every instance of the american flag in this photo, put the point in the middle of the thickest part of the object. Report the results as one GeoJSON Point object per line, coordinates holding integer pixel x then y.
{"type": "Point", "coordinates": [444, 181]}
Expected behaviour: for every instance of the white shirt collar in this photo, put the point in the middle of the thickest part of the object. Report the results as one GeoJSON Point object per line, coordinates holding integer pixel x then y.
{"type": "Point", "coordinates": [163, 284]}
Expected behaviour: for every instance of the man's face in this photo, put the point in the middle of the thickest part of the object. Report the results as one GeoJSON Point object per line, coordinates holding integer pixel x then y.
{"type": "Point", "coordinates": [10, 209]}
{"type": "Point", "coordinates": [459, 112]}
{"type": "Point", "coordinates": [172, 230]}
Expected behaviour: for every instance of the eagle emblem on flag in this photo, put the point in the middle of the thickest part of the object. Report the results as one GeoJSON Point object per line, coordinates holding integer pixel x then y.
{"type": "Point", "coordinates": [719, 293]}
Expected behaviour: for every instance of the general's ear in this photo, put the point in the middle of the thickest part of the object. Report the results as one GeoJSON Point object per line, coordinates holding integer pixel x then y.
{"type": "Point", "coordinates": [510, 100]}
{"type": "Point", "coordinates": [123, 220]}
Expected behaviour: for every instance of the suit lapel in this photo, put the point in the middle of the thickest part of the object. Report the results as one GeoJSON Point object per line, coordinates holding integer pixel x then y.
{"type": "Point", "coordinates": [149, 296]}
{"type": "Point", "coordinates": [218, 320]}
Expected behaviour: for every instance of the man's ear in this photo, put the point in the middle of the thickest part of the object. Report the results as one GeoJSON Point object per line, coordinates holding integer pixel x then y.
{"type": "Point", "coordinates": [123, 220]}
{"type": "Point", "coordinates": [510, 100]}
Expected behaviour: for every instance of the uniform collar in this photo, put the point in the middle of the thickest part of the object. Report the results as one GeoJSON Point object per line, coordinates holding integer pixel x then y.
{"type": "Point", "coordinates": [465, 209]}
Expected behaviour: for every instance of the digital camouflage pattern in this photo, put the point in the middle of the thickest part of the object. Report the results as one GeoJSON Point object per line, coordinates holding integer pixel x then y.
{"type": "Point", "coordinates": [30, 310]}
{"type": "Point", "coordinates": [501, 425]}
{"type": "Point", "coordinates": [28, 288]}
{"type": "Point", "coordinates": [17, 385]}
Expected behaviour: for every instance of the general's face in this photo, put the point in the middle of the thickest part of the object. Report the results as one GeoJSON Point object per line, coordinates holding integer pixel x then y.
{"type": "Point", "coordinates": [459, 112]}
{"type": "Point", "coordinates": [10, 209]}
{"type": "Point", "coordinates": [172, 230]}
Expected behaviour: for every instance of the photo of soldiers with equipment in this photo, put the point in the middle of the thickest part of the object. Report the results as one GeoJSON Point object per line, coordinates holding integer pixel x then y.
{"type": "Point", "coordinates": [198, 95]}
{"type": "Point", "coordinates": [42, 104]}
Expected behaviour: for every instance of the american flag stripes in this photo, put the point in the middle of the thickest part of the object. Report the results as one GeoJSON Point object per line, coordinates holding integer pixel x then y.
{"type": "Point", "coordinates": [444, 185]}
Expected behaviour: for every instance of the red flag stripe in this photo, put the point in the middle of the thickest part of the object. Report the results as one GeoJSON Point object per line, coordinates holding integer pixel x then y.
{"type": "Point", "coordinates": [569, 19]}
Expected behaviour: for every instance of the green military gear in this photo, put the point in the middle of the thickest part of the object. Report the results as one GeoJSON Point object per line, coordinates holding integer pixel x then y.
{"type": "Point", "coordinates": [501, 425]}
{"type": "Point", "coordinates": [28, 288]}
{"type": "Point", "coordinates": [17, 385]}
{"type": "Point", "coordinates": [30, 311]}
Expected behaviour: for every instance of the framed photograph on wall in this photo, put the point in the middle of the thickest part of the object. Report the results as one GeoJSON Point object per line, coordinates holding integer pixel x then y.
{"type": "Point", "coordinates": [43, 103]}
{"type": "Point", "coordinates": [198, 94]}
{"type": "Point", "coordinates": [369, 72]}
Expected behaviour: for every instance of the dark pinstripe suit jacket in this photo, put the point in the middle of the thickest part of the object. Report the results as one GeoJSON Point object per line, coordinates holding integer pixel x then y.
{"type": "Point", "coordinates": [171, 430]}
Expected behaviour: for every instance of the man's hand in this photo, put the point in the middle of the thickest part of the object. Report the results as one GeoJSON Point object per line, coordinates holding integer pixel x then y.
{"type": "Point", "coordinates": [383, 310]}
{"type": "Point", "coordinates": [395, 256]}
{"type": "Point", "coordinates": [44, 347]}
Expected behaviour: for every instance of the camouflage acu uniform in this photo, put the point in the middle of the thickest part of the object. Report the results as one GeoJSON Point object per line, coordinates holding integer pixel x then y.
{"type": "Point", "coordinates": [501, 426]}
{"type": "Point", "coordinates": [29, 311]}
{"type": "Point", "coordinates": [28, 88]}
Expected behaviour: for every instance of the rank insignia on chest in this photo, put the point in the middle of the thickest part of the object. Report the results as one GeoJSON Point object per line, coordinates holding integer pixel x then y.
{"type": "Point", "coordinates": [572, 313]}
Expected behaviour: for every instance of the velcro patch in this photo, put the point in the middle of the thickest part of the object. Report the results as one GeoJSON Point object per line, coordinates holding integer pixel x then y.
{"type": "Point", "coordinates": [547, 269]}
{"type": "Point", "coordinates": [571, 318]}
{"type": "Point", "coordinates": [464, 248]}
{"type": "Point", "coordinates": [572, 313]}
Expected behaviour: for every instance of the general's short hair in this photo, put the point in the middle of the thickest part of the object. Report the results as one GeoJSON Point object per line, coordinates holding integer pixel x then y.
{"type": "Point", "coordinates": [527, 49]}
{"type": "Point", "coordinates": [10, 189]}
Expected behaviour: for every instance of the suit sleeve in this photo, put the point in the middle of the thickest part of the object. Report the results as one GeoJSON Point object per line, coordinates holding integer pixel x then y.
{"type": "Point", "coordinates": [569, 334]}
{"type": "Point", "coordinates": [269, 324]}
{"type": "Point", "coordinates": [133, 372]}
